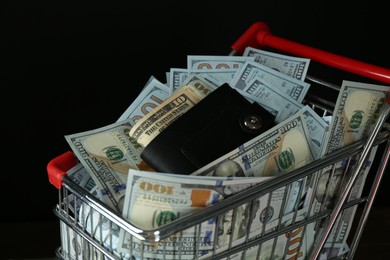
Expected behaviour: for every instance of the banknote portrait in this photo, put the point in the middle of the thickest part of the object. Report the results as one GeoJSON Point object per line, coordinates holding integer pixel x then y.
{"type": "Point", "coordinates": [328, 187]}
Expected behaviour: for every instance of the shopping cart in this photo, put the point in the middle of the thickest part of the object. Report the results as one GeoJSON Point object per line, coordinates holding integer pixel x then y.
{"type": "Point", "coordinates": [96, 238]}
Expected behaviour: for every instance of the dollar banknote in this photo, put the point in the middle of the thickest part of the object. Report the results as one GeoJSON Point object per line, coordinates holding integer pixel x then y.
{"type": "Point", "coordinates": [293, 87]}
{"type": "Point", "coordinates": [200, 82]}
{"type": "Point", "coordinates": [156, 199]}
{"type": "Point", "coordinates": [209, 62]}
{"type": "Point", "coordinates": [105, 231]}
{"type": "Point", "coordinates": [178, 76]}
{"type": "Point", "coordinates": [152, 95]}
{"type": "Point", "coordinates": [221, 76]}
{"type": "Point", "coordinates": [258, 217]}
{"type": "Point", "coordinates": [327, 186]}
{"type": "Point", "coordinates": [264, 251]}
{"type": "Point", "coordinates": [270, 249]}
{"type": "Point", "coordinates": [162, 198]}
{"type": "Point", "coordinates": [75, 247]}
{"type": "Point", "coordinates": [277, 151]}
{"type": "Point", "coordinates": [326, 189]}
{"type": "Point", "coordinates": [246, 221]}
{"type": "Point", "coordinates": [357, 109]}
{"type": "Point", "coordinates": [327, 119]}
{"type": "Point", "coordinates": [81, 177]}
{"type": "Point", "coordinates": [296, 244]}
{"type": "Point", "coordinates": [344, 223]}
{"type": "Point", "coordinates": [333, 251]}
{"type": "Point", "coordinates": [147, 128]}
{"type": "Point", "coordinates": [107, 153]}
{"type": "Point", "coordinates": [292, 66]}
{"type": "Point", "coordinates": [279, 104]}
{"type": "Point", "coordinates": [318, 130]}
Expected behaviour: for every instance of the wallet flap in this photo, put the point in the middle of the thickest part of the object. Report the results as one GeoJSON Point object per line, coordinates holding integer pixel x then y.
{"type": "Point", "coordinates": [229, 130]}
{"type": "Point", "coordinates": [219, 123]}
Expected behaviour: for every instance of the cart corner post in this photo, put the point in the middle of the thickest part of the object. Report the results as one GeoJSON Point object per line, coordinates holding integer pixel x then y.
{"type": "Point", "coordinates": [58, 166]}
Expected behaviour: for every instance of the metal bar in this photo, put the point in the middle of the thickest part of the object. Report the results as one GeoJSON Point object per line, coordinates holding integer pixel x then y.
{"type": "Point", "coordinates": [260, 189]}
{"type": "Point", "coordinates": [259, 35]}
{"type": "Point", "coordinates": [366, 149]}
{"type": "Point", "coordinates": [371, 197]}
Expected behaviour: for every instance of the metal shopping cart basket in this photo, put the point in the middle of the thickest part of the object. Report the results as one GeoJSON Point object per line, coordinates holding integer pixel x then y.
{"type": "Point", "coordinates": [339, 221]}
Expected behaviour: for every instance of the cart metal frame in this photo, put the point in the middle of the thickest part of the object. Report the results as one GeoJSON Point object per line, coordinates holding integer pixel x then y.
{"type": "Point", "coordinates": [258, 35]}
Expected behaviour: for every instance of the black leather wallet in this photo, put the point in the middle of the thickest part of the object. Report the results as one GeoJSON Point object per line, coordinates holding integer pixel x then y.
{"type": "Point", "coordinates": [219, 123]}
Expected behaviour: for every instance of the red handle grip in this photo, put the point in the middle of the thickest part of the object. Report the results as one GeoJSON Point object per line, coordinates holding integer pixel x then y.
{"type": "Point", "coordinates": [259, 36]}
{"type": "Point", "coordinates": [58, 166]}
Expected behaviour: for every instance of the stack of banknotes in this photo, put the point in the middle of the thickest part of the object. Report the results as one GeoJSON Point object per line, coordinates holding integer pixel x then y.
{"type": "Point", "coordinates": [112, 170]}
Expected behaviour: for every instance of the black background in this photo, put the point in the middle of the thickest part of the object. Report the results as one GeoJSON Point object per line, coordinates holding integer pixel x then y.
{"type": "Point", "coordinates": [71, 68]}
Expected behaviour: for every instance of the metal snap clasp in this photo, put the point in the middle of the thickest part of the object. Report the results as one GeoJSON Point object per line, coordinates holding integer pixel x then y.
{"type": "Point", "coordinates": [253, 122]}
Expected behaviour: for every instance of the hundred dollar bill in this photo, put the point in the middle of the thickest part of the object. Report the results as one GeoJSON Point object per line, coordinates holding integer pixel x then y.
{"type": "Point", "coordinates": [210, 80]}
{"type": "Point", "coordinates": [74, 246]}
{"type": "Point", "coordinates": [153, 94]}
{"type": "Point", "coordinates": [327, 119]}
{"type": "Point", "coordinates": [318, 129]}
{"type": "Point", "coordinates": [344, 224]}
{"type": "Point", "coordinates": [178, 76]}
{"type": "Point", "coordinates": [279, 248]}
{"type": "Point", "coordinates": [265, 251]}
{"type": "Point", "coordinates": [356, 111]}
{"type": "Point", "coordinates": [221, 76]}
{"type": "Point", "coordinates": [99, 227]}
{"type": "Point", "coordinates": [273, 249]}
{"type": "Point", "coordinates": [81, 176]}
{"type": "Point", "coordinates": [164, 114]}
{"type": "Point", "coordinates": [155, 199]}
{"type": "Point", "coordinates": [258, 217]}
{"type": "Point", "coordinates": [215, 80]}
{"type": "Point", "coordinates": [297, 244]}
{"type": "Point", "coordinates": [250, 253]}
{"type": "Point", "coordinates": [295, 67]}
{"type": "Point", "coordinates": [277, 151]}
{"type": "Point", "coordinates": [295, 88]}
{"type": "Point", "coordinates": [333, 251]}
{"type": "Point", "coordinates": [327, 187]}
{"type": "Point", "coordinates": [290, 245]}
{"type": "Point", "coordinates": [195, 62]}
{"type": "Point", "coordinates": [274, 101]}
{"type": "Point", "coordinates": [200, 83]}
{"type": "Point", "coordinates": [108, 153]}
{"type": "Point", "coordinates": [103, 230]}
{"type": "Point", "coordinates": [246, 221]}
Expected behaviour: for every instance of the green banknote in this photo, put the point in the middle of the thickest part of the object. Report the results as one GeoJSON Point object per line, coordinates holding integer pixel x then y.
{"type": "Point", "coordinates": [357, 109]}
{"type": "Point", "coordinates": [277, 151]}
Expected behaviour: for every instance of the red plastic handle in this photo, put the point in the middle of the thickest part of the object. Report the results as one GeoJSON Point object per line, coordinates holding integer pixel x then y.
{"type": "Point", "coordinates": [58, 166]}
{"type": "Point", "coordinates": [259, 36]}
